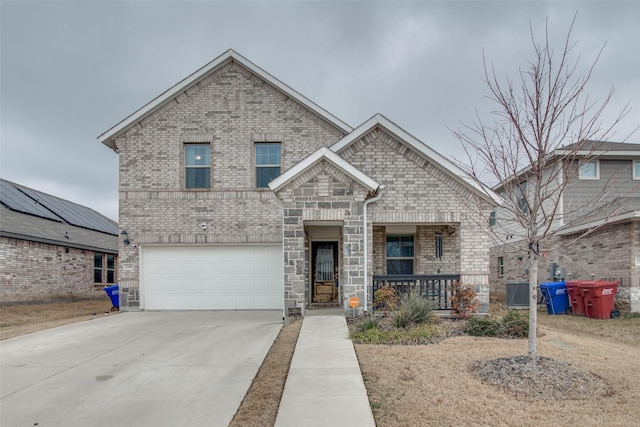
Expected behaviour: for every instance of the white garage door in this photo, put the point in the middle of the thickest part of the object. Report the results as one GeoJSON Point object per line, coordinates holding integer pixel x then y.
{"type": "Point", "coordinates": [211, 277]}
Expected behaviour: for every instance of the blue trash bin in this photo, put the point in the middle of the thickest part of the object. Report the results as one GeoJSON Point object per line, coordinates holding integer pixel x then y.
{"type": "Point", "coordinates": [114, 294]}
{"type": "Point", "coordinates": [555, 297]}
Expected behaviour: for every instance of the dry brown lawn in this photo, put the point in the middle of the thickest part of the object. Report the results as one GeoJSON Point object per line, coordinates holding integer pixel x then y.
{"type": "Point", "coordinates": [431, 385]}
{"type": "Point", "coordinates": [20, 319]}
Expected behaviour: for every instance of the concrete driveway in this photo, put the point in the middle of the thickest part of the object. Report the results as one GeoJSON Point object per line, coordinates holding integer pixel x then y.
{"type": "Point", "coordinates": [142, 369]}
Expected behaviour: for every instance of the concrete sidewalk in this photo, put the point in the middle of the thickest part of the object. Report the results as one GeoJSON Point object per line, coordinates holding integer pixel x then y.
{"type": "Point", "coordinates": [324, 386]}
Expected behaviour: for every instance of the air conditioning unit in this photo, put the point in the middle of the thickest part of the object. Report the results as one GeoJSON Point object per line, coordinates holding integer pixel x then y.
{"type": "Point", "coordinates": [518, 294]}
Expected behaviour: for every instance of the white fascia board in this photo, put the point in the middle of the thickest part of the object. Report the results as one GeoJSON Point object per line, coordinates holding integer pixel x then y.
{"type": "Point", "coordinates": [420, 147]}
{"type": "Point", "coordinates": [597, 153]}
{"type": "Point", "coordinates": [331, 157]}
{"type": "Point", "coordinates": [107, 137]}
{"type": "Point", "coordinates": [633, 215]}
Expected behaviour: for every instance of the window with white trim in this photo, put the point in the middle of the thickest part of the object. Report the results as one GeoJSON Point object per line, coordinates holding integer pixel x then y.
{"type": "Point", "coordinates": [636, 169]}
{"type": "Point", "coordinates": [400, 254]}
{"type": "Point", "coordinates": [589, 170]}
{"type": "Point", "coordinates": [268, 162]}
{"type": "Point", "coordinates": [521, 196]}
{"type": "Point", "coordinates": [500, 265]}
{"type": "Point", "coordinates": [492, 219]}
{"type": "Point", "coordinates": [197, 165]}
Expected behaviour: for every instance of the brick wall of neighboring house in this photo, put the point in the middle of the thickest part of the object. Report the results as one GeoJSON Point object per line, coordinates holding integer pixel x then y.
{"type": "Point", "coordinates": [231, 109]}
{"type": "Point", "coordinates": [32, 272]}
{"type": "Point", "coordinates": [607, 254]}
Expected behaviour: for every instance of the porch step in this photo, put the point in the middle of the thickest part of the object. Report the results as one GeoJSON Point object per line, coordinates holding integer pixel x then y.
{"type": "Point", "coordinates": [323, 305]}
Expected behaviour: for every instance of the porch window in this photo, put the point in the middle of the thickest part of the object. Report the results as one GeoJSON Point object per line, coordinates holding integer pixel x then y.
{"type": "Point", "coordinates": [324, 264]}
{"type": "Point", "coordinates": [197, 165]}
{"type": "Point", "coordinates": [268, 163]}
{"type": "Point", "coordinates": [400, 254]}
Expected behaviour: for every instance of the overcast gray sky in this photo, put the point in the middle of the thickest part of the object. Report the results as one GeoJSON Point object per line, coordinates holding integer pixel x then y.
{"type": "Point", "coordinates": [71, 70]}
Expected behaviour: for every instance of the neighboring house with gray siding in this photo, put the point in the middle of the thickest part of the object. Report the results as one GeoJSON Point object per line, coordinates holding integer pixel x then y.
{"type": "Point", "coordinates": [53, 249]}
{"type": "Point", "coordinates": [237, 192]}
{"type": "Point", "coordinates": [604, 191]}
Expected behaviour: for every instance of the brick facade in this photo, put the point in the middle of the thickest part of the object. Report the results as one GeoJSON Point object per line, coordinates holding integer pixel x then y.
{"type": "Point", "coordinates": [607, 254]}
{"type": "Point", "coordinates": [38, 272]}
{"type": "Point", "coordinates": [232, 108]}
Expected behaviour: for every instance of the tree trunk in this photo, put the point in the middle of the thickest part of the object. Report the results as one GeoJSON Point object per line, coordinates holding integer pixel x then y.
{"type": "Point", "coordinates": [533, 307]}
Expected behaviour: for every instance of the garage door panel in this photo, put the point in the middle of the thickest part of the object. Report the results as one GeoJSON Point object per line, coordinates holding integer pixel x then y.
{"type": "Point", "coordinates": [212, 277]}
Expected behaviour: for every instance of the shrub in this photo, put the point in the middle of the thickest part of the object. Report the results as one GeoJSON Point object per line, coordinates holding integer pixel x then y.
{"type": "Point", "coordinates": [482, 326]}
{"type": "Point", "coordinates": [419, 309]}
{"type": "Point", "coordinates": [514, 324]}
{"type": "Point", "coordinates": [463, 301]}
{"type": "Point", "coordinates": [385, 298]}
{"type": "Point", "coordinates": [400, 318]}
{"type": "Point", "coordinates": [368, 323]}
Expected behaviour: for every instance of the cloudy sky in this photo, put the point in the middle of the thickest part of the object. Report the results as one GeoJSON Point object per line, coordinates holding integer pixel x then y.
{"type": "Point", "coordinates": [70, 70]}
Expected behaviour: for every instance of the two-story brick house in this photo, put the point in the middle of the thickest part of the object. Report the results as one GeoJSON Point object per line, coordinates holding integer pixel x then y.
{"type": "Point", "coordinates": [602, 190]}
{"type": "Point", "coordinates": [237, 192]}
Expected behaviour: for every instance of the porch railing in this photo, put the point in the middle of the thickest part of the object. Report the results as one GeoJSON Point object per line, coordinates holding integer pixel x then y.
{"type": "Point", "coordinates": [437, 288]}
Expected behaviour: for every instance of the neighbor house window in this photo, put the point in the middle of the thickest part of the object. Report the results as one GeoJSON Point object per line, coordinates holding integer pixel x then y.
{"type": "Point", "coordinates": [636, 169]}
{"type": "Point", "coordinates": [104, 268]}
{"type": "Point", "coordinates": [521, 196]}
{"type": "Point", "coordinates": [438, 245]}
{"type": "Point", "coordinates": [589, 170]}
{"type": "Point", "coordinates": [500, 265]}
{"type": "Point", "coordinates": [492, 219]}
{"type": "Point", "coordinates": [197, 165]}
{"type": "Point", "coordinates": [400, 254]}
{"type": "Point", "coordinates": [268, 163]}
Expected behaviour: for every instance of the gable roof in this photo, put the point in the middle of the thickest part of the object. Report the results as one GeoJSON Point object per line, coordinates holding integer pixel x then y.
{"type": "Point", "coordinates": [19, 198]}
{"type": "Point", "coordinates": [324, 153]}
{"type": "Point", "coordinates": [420, 147]}
{"type": "Point", "coordinates": [108, 137]}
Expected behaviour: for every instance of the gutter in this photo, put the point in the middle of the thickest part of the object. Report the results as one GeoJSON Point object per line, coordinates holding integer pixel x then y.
{"type": "Point", "coordinates": [366, 248]}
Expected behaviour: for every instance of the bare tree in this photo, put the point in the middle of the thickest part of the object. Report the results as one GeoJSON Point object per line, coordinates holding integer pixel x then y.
{"type": "Point", "coordinates": [544, 111]}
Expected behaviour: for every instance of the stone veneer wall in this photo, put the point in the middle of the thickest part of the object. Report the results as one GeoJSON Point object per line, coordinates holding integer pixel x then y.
{"type": "Point", "coordinates": [307, 199]}
{"type": "Point", "coordinates": [34, 272]}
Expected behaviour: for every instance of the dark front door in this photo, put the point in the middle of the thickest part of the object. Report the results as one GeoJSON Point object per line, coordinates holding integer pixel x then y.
{"type": "Point", "coordinates": [324, 259]}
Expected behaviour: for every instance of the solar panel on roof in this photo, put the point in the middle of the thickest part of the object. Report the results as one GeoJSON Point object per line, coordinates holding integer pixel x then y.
{"type": "Point", "coordinates": [73, 213]}
{"type": "Point", "coordinates": [16, 200]}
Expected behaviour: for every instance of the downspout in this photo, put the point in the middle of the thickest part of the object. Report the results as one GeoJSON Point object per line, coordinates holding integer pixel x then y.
{"type": "Point", "coordinates": [366, 247]}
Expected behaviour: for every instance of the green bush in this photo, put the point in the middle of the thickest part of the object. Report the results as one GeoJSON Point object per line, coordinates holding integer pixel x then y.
{"type": "Point", "coordinates": [482, 326]}
{"type": "Point", "coordinates": [514, 324]}
{"type": "Point", "coordinates": [419, 309]}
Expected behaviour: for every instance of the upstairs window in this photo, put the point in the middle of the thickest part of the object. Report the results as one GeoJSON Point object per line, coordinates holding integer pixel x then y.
{"type": "Point", "coordinates": [521, 196]}
{"type": "Point", "coordinates": [400, 254]}
{"type": "Point", "coordinates": [589, 170]}
{"type": "Point", "coordinates": [492, 219]}
{"type": "Point", "coordinates": [636, 169]}
{"type": "Point", "coordinates": [268, 163]}
{"type": "Point", "coordinates": [197, 165]}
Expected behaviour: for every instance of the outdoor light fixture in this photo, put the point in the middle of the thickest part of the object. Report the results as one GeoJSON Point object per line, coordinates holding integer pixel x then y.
{"type": "Point", "coordinates": [125, 237]}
